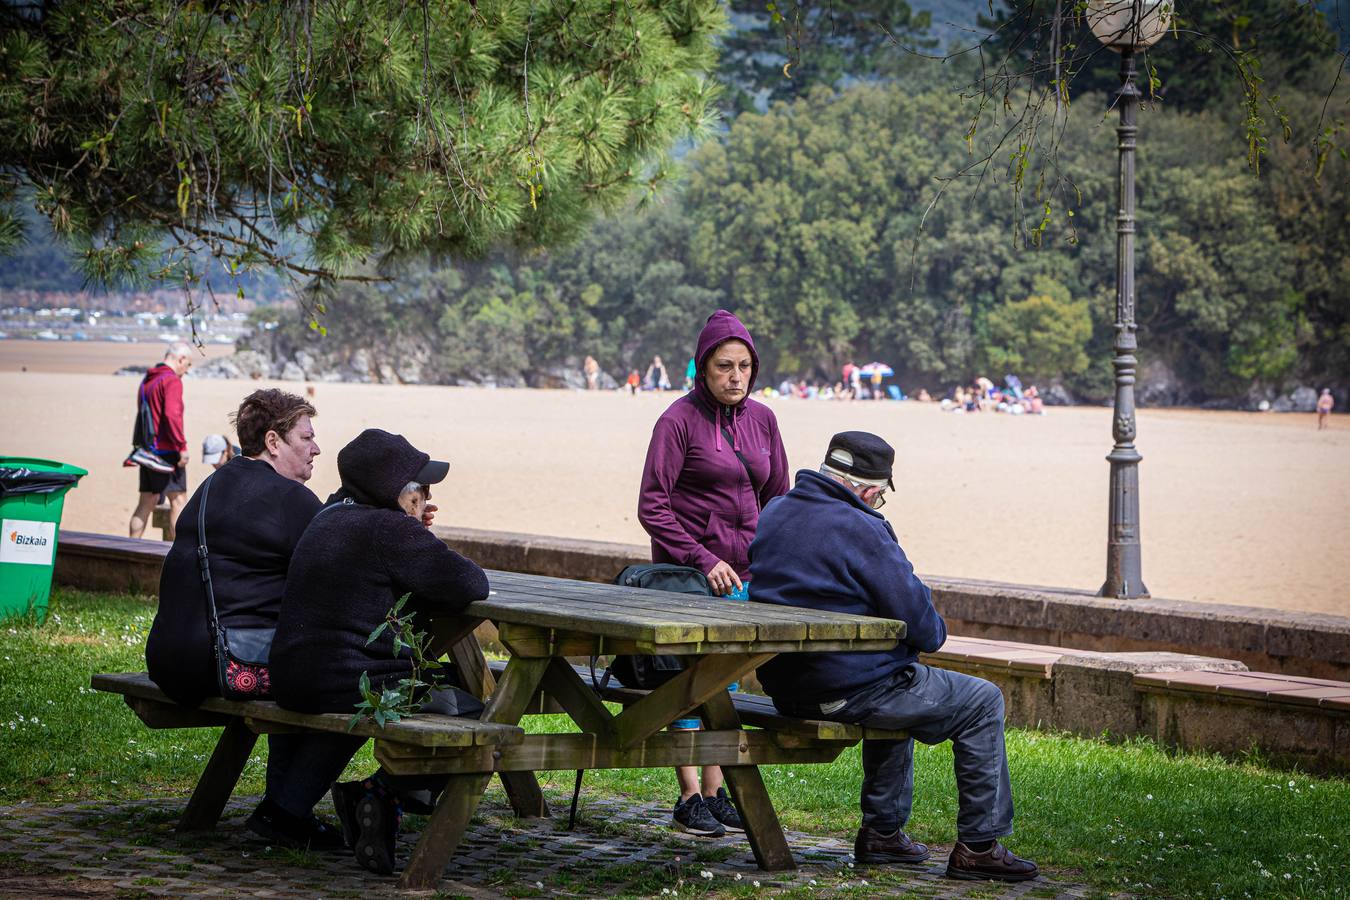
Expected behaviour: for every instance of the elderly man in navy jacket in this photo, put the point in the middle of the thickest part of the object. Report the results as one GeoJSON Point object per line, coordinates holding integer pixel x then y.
{"type": "Point", "coordinates": [823, 545]}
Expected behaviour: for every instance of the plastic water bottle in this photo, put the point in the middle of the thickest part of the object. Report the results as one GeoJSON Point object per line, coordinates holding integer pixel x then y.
{"type": "Point", "coordinates": [741, 593]}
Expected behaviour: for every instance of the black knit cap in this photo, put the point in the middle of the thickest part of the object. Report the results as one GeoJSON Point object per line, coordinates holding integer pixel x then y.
{"type": "Point", "coordinates": [376, 466]}
{"type": "Point", "coordinates": [862, 456]}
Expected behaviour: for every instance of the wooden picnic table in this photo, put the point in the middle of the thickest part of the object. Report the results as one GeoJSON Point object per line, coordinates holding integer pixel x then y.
{"type": "Point", "coordinates": [541, 621]}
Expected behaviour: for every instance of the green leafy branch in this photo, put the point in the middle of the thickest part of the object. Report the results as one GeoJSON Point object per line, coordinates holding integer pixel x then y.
{"type": "Point", "coordinates": [390, 704]}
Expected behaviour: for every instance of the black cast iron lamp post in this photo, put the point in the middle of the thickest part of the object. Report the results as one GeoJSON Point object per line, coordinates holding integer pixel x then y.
{"type": "Point", "coordinates": [1125, 26]}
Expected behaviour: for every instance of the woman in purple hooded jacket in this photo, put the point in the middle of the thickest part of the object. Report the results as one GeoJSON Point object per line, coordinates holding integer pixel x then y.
{"type": "Point", "coordinates": [715, 459]}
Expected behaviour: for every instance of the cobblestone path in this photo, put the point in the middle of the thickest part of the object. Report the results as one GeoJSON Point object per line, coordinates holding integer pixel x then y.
{"type": "Point", "coordinates": [129, 849]}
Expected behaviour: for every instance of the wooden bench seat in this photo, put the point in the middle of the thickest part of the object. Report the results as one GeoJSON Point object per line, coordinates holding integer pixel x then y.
{"type": "Point", "coordinates": [244, 721]}
{"type": "Point", "coordinates": [156, 710]}
{"type": "Point", "coordinates": [754, 709]}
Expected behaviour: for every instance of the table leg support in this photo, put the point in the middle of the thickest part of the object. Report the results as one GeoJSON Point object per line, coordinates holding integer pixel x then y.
{"type": "Point", "coordinates": [522, 788]}
{"type": "Point", "coordinates": [217, 782]}
{"type": "Point", "coordinates": [762, 827]}
{"type": "Point", "coordinates": [462, 793]}
{"type": "Point", "coordinates": [445, 829]}
{"type": "Point", "coordinates": [525, 795]}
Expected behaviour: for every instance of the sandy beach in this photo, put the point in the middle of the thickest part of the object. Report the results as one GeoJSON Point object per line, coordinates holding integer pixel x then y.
{"type": "Point", "coordinates": [1238, 508]}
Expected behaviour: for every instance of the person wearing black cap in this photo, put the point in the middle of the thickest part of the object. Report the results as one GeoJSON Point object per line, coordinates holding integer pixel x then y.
{"type": "Point", "coordinates": [367, 548]}
{"type": "Point", "coordinates": [824, 545]}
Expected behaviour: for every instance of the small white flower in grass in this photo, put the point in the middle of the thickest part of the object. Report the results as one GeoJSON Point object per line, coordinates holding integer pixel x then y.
{"type": "Point", "coordinates": [1148, 796]}
{"type": "Point", "coordinates": [813, 881]}
{"type": "Point", "coordinates": [738, 876]}
{"type": "Point", "coordinates": [539, 884]}
{"type": "Point", "coordinates": [754, 884]}
{"type": "Point", "coordinates": [1265, 873]}
{"type": "Point", "coordinates": [1287, 876]}
{"type": "Point", "coordinates": [1291, 784]}
{"type": "Point", "coordinates": [863, 882]}
{"type": "Point", "coordinates": [705, 874]}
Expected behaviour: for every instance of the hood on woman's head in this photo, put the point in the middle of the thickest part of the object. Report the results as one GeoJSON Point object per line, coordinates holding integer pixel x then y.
{"type": "Point", "coordinates": [377, 465]}
{"type": "Point", "coordinates": [722, 327]}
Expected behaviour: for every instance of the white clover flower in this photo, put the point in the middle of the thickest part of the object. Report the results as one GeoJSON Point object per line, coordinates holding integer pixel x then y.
{"type": "Point", "coordinates": [738, 876]}
{"type": "Point", "coordinates": [705, 874]}
{"type": "Point", "coordinates": [1265, 873]}
{"type": "Point", "coordinates": [1148, 796]}
{"type": "Point", "coordinates": [754, 884]}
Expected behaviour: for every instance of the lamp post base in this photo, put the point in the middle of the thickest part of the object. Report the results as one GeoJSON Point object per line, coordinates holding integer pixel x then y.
{"type": "Point", "coordinates": [1124, 556]}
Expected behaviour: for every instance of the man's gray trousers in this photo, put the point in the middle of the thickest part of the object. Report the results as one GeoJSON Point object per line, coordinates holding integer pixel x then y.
{"type": "Point", "coordinates": [933, 705]}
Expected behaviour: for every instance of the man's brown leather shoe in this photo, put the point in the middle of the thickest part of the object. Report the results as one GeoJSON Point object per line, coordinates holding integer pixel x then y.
{"type": "Point", "coordinates": [997, 863]}
{"type": "Point", "coordinates": [871, 846]}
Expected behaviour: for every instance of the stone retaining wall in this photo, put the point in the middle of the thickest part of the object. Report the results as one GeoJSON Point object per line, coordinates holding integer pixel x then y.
{"type": "Point", "coordinates": [1267, 640]}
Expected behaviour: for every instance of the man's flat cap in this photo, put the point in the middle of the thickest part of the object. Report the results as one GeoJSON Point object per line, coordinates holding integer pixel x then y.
{"type": "Point", "coordinates": [862, 456]}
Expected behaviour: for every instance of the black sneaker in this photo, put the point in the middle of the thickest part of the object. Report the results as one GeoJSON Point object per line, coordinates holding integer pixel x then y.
{"type": "Point", "coordinates": [377, 818]}
{"type": "Point", "coordinates": [693, 817]}
{"type": "Point", "coordinates": [346, 795]}
{"type": "Point", "coordinates": [272, 823]}
{"type": "Point", "coordinates": [725, 811]}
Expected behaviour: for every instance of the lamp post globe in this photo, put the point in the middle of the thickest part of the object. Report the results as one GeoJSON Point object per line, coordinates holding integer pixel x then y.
{"type": "Point", "coordinates": [1125, 26]}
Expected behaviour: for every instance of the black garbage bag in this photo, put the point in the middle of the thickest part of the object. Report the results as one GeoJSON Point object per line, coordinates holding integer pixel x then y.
{"type": "Point", "coordinates": [22, 480]}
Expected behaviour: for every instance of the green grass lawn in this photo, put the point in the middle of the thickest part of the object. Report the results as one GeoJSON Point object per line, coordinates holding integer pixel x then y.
{"type": "Point", "coordinates": [1130, 817]}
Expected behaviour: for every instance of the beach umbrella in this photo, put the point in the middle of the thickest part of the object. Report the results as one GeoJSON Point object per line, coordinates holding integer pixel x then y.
{"type": "Point", "coordinates": [874, 368]}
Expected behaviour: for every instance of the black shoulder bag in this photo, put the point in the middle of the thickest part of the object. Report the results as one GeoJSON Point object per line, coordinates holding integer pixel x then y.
{"type": "Point", "coordinates": [241, 653]}
{"type": "Point", "coordinates": [640, 670]}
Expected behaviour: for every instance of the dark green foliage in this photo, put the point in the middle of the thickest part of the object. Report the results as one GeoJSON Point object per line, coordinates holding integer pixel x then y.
{"type": "Point", "coordinates": [806, 221]}
{"type": "Point", "coordinates": [780, 49]}
{"type": "Point", "coordinates": [366, 127]}
{"type": "Point", "coordinates": [1196, 66]}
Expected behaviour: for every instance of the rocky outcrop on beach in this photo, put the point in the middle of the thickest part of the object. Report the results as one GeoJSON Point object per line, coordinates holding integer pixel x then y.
{"type": "Point", "coordinates": [365, 366]}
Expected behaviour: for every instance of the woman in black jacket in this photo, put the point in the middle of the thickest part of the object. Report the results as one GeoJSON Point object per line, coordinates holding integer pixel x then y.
{"type": "Point", "coordinates": [366, 549]}
{"type": "Point", "coordinates": [256, 511]}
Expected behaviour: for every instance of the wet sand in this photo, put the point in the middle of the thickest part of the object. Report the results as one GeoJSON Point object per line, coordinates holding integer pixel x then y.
{"type": "Point", "coordinates": [89, 357]}
{"type": "Point", "coordinates": [1238, 508]}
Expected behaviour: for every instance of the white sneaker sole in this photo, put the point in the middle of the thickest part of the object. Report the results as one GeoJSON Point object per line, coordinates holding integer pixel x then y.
{"type": "Point", "coordinates": [701, 832]}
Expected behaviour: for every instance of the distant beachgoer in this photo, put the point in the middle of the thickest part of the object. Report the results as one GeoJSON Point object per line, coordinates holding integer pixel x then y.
{"type": "Point", "coordinates": [216, 451]}
{"type": "Point", "coordinates": [715, 459]}
{"type": "Point", "coordinates": [877, 392]}
{"type": "Point", "coordinates": [855, 383]}
{"type": "Point", "coordinates": [1325, 403]}
{"type": "Point", "coordinates": [160, 443]}
{"type": "Point", "coordinates": [591, 369]}
{"type": "Point", "coordinates": [309, 392]}
{"type": "Point", "coordinates": [922, 396]}
{"type": "Point", "coordinates": [634, 382]}
{"type": "Point", "coordinates": [690, 372]}
{"type": "Point", "coordinates": [657, 378]}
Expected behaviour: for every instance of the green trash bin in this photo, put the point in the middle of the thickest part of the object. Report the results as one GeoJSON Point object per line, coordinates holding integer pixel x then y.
{"type": "Point", "coordinates": [32, 494]}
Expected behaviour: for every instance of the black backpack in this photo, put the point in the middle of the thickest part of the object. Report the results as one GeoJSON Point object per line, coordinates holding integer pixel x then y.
{"type": "Point", "coordinates": [640, 670]}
